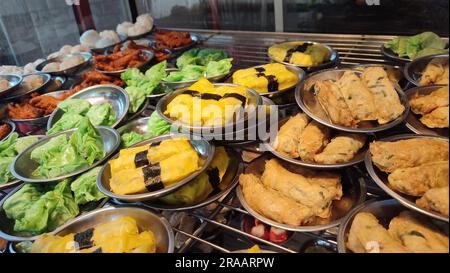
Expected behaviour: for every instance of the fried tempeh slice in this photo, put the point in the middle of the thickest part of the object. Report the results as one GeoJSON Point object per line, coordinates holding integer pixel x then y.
{"type": "Point", "coordinates": [341, 149]}
{"type": "Point", "coordinates": [287, 139]}
{"type": "Point", "coordinates": [416, 235]}
{"type": "Point", "coordinates": [391, 155]}
{"type": "Point", "coordinates": [358, 98]}
{"type": "Point", "coordinates": [386, 98]}
{"type": "Point", "coordinates": [424, 104]}
{"type": "Point", "coordinates": [439, 118]}
{"type": "Point", "coordinates": [318, 197]}
{"type": "Point", "coordinates": [272, 204]}
{"type": "Point", "coordinates": [312, 140]}
{"type": "Point", "coordinates": [367, 235]}
{"type": "Point", "coordinates": [333, 103]}
{"type": "Point", "coordinates": [436, 200]}
{"type": "Point", "coordinates": [416, 181]}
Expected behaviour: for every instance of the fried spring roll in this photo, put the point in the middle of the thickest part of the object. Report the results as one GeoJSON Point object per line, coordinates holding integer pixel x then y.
{"type": "Point", "coordinates": [432, 72]}
{"type": "Point", "coordinates": [416, 181]}
{"type": "Point", "coordinates": [287, 139]}
{"type": "Point", "coordinates": [312, 140]}
{"type": "Point", "coordinates": [386, 98]}
{"type": "Point", "coordinates": [391, 155]}
{"type": "Point", "coordinates": [436, 200]}
{"type": "Point", "coordinates": [438, 118]}
{"type": "Point", "coordinates": [424, 104]}
{"type": "Point", "coordinates": [341, 149]}
{"type": "Point", "coordinates": [417, 236]}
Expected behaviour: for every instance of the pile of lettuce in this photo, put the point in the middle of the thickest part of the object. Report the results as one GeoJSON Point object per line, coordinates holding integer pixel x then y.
{"type": "Point", "coordinates": [9, 149]}
{"type": "Point", "coordinates": [423, 44]}
{"type": "Point", "coordinates": [62, 155]}
{"type": "Point", "coordinates": [76, 109]}
{"type": "Point", "coordinates": [156, 126]}
{"type": "Point", "coordinates": [39, 208]}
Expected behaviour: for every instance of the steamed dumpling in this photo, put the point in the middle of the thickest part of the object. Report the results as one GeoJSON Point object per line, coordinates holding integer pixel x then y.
{"type": "Point", "coordinates": [71, 62]}
{"type": "Point", "coordinates": [137, 29]}
{"type": "Point", "coordinates": [111, 35]}
{"type": "Point", "coordinates": [145, 20]}
{"type": "Point", "coordinates": [89, 38]}
{"type": "Point", "coordinates": [79, 48]}
{"type": "Point", "coordinates": [65, 50]}
{"type": "Point", "coordinates": [124, 27]}
{"type": "Point", "coordinates": [104, 42]}
{"type": "Point", "coordinates": [51, 67]}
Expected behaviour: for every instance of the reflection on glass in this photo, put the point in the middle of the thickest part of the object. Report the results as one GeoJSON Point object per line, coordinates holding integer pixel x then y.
{"type": "Point", "coordinates": [108, 14]}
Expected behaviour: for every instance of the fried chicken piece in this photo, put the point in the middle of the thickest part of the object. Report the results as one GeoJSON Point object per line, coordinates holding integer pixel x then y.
{"type": "Point", "coordinates": [4, 130]}
{"type": "Point", "coordinates": [47, 103]}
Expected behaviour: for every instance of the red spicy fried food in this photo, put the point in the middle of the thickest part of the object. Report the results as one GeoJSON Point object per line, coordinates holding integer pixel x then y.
{"type": "Point", "coordinates": [172, 39]}
{"type": "Point", "coordinates": [160, 54]}
{"type": "Point", "coordinates": [4, 130]}
{"type": "Point", "coordinates": [36, 107]}
{"type": "Point", "coordinates": [120, 59]}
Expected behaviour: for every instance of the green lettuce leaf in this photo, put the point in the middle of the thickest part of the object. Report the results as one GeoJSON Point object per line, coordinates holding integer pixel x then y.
{"type": "Point", "coordinates": [102, 114]}
{"type": "Point", "coordinates": [16, 205]}
{"type": "Point", "coordinates": [216, 68]}
{"type": "Point", "coordinates": [77, 106]}
{"type": "Point", "coordinates": [85, 187]}
{"type": "Point", "coordinates": [422, 44]}
{"type": "Point", "coordinates": [88, 142]}
{"type": "Point", "coordinates": [23, 143]}
{"type": "Point", "coordinates": [188, 57]}
{"type": "Point", "coordinates": [67, 121]}
{"type": "Point", "coordinates": [207, 55]}
{"type": "Point", "coordinates": [132, 76]}
{"type": "Point", "coordinates": [157, 72]}
{"type": "Point", "coordinates": [157, 125]}
{"type": "Point", "coordinates": [7, 148]}
{"type": "Point", "coordinates": [131, 138]}
{"type": "Point", "coordinates": [5, 174]}
{"type": "Point", "coordinates": [137, 98]}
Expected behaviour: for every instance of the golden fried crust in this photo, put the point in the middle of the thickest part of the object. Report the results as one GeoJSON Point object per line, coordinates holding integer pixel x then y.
{"type": "Point", "coordinates": [416, 181]}
{"type": "Point", "coordinates": [312, 140]}
{"type": "Point", "coordinates": [435, 200]}
{"type": "Point", "coordinates": [416, 235]}
{"type": "Point", "coordinates": [288, 137]}
{"type": "Point", "coordinates": [389, 156]}
{"type": "Point", "coordinates": [434, 72]}
{"type": "Point", "coordinates": [439, 118]}
{"type": "Point", "coordinates": [424, 104]}
{"type": "Point", "coordinates": [272, 204]}
{"type": "Point", "coordinates": [342, 148]}
{"type": "Point", "coordinates": [366, 232]}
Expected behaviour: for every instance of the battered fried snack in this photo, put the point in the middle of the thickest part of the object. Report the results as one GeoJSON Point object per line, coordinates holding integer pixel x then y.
{"type": "Point", "coordinates": [287, 140]}
{"type": "Point", "coordinates": [416, 181]}
{"type": "Point", "coordinates": [36, 107]}
{"type": "Point", "coordinates": [4, 130]}
{"type": "Point", "coordinates": [172, 39]}
{"type": "Point", "coordinates": [385, 97]}
{"type": "Point", "coordinates": [312, 140]}
{"type": "Point", "coordinates": [160, 55]}
{"type": "Point", "coordinates": [120, 60]}
{"type": "Point", "coordinates": [341, 149]}
{"type": "Point", "coordinates": [436, 72]}
{"type": "Point", "coordinates": [389, 156]}
{"type": "Point", "coordinates": [313, 194]}
{"type": "Point", "coordinates": [272, 204]}
{"type": "Point", "coordinates": [92, 78]}
{"type": "Point", "coordinates": [416, 235]}
{"type": "Point", "coordinates": [435, 200]}
{"type": "Point", "coordinates": [358, 98]}
{"type": "Point", "coordinates": [368, 236]}
{"type": "Point", "coordinates": [438, 118]}
{"type": "Point", "coordinates": [424, 104]}
{"type": "Point", "coordinates": [333, 103]}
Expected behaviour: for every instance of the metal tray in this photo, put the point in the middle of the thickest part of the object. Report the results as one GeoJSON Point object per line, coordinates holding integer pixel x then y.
{"type": "Point", "coordinates": [381, 179]}
{"type": "Point", "coordinates": [358, 158]}
{"type": "Point", "coordinates": [144, 66]}
{"type": "Point", "coordinates": [98, 94]}
{"type": "Point", "coordinates": [306, 99]}
{"type": "Point", "coordinates": [203, 148]}
{"type": "Point", "coordinates": [353, 188]}
{"type": "Point", "coordinates": [14, 82]}
{"type": "Point", "coordinates": [69, 71]}
{"type": "Point", "coordinates": [18, 93]}
{"type": "Point", "coordinates": [229, 181]}
{"type": "Point", "coordinates": [413, 121]}
{"type": "Point", "coordinates": [334, 58]}
{"type": "Point", "coordinates": [413, 70]}
{"type": "Point", "coordinates": [23, 166]}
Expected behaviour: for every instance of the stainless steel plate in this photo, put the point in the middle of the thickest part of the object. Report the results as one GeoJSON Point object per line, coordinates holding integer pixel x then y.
{"type": "Point", "coordinates": [14, 82]}
{"type": "Point", "coordinates": [381, 179]}
{"type": "Point", "coordinates": [353, 187]}
{"type": "Point", "coordinates": [99, 94]}
{"type": "Point", "coordinates": [20, 92]}
{"type": "Point", "coordinates": [254, 99]}
{"type": "Point", "coordinates": [139, 126]}
{"type": "Point", "coordinates": [203, 148]}
{"type": "Point", "coordinates": [132, 116]}
{"type": "Point", "coordinates": [16, 181]}
{"type": "Point", "coordinates": [334, 59]}
{"type": "Point", "coordinates": [229, 181]}
{"type": "Point", "coordinates": [23, 166]}
{"type": "Point", "coordinates": [413, 70]}
{"type": "Point", "coordinates": [413, 121]}
{"type": "Point", "coordinates": [144, 66]}
{"type": "Point", "coordinates": [306, 99]}
{"type": "Point", "coordinates": [185, 84]}
{"type": "Point", "coordinates": [67, 72]}
{"type": "Point", "coordinates": [12, 126]}
{"type": "Point", "coordinates": [358, 158]}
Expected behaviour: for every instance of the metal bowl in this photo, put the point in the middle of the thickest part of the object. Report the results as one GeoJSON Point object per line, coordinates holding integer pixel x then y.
{"type": "Point", "coordinates": [69, 71]}
{"type": "Point", "coordinates": [100, 50]}
{"type": "Point", "coordinates": [132, 116]}
{"type": "Point", "coordinates": [20, 93]}
{"type": "Point", "coordinates": [12, 126]}
{"type": "Point", "coordinates": [185, 84]}
{"type": "Point", "coordinates": [99, 94]}
{"type": "Point", "coordinates": [23, 166]}
{"type": "Point", "coordinates": [203, 148]}
{"type": "Point", "coordinates": [229, 181]}
{"type": "Point", "coordinates": [306, 99]}
{"type": "Point", "coordinates": [143, 66]}
{"type": "Point", "coordinates": [254, 99]}
{"type": "Point", "coordinates": [391, 55]}
{"type": "Point", "coordinates": [353, 187]}
{"type": "Point", "coordinates": [14, 82]}
{"type": "Point", "coordinates": [7, 225]}
{"type": "Point", "coordinates": [275, 94]}
{"type": "Point", "coordinates": [139, 126]}
{"type": "Point", "coordinates": [413, 70]}
{"type": "Point", "coordinates": [16, 182]}
{"type": "Point", "coordinates": [395, 72]}
{"type": "Point", "coordinates": [358, 158]}
{"type": "Point", "coordinates": [413, 121]}
{"type": "Point", "coordinates": [381, 179]}
{"type": "Point", "coordinates": [35, 125]}
{"type": "Point", "coordinates": [333, 62]}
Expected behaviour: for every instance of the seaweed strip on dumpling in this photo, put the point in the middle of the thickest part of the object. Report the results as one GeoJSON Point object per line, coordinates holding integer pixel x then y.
{"type": "Point", "coordinates": [84, 239]}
